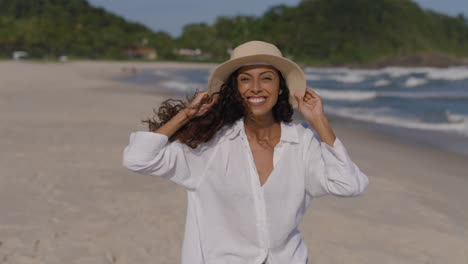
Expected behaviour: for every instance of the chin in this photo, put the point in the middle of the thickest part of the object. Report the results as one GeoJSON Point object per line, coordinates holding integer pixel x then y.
{"type": "Point", "coordinates": [260, 114]}
{"type": "Point", "coordinates": [264, 110]}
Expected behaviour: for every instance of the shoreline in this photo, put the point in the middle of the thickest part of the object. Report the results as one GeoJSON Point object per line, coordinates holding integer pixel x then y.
{"type": "Point", "coordinates": [441, 141]}
{"type": "Point", "coordinates": [416, 60]}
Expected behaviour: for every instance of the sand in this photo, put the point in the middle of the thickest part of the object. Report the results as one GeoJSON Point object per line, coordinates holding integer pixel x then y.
{"type": "Point", "coordinates": [65, 197]}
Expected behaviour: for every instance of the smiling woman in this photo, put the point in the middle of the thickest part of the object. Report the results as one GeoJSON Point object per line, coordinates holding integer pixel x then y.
{"type": "Point", "coordinates": [250, 173]}
{"type": "Point", "coordinates": [259, 86]}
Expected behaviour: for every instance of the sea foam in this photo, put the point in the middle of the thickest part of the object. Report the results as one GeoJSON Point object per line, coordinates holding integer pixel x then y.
{"type": "Point", "coordinates": [412, 82]}
{"type": "Point", "coordinates": [458, 124]}
{"type": "Point", "coordinates": [345, 95]}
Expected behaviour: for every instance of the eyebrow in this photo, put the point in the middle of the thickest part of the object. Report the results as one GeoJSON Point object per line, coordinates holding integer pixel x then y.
{"type": "Point", "coordinates": [269, 71]}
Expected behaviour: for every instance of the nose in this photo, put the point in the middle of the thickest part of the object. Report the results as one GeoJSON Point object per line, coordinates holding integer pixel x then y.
{"type": "Point", "coordinates": [257, 86]}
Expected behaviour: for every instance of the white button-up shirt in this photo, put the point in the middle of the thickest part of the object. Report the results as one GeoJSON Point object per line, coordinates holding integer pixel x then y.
{"type": "Point", "coordinates": [231, 217]}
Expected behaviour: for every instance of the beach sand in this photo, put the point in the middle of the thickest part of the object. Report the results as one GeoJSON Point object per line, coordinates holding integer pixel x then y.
{"type": "Point", "coordinates": [66, 198]}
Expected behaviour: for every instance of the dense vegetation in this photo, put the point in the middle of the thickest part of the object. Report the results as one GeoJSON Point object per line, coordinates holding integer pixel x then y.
{"type": "Point", "coordinates": [341, 31]}
{"type": "Point", "coordinates": [68, 27]}
{"type": "Point", "coordinates": [315, 31]}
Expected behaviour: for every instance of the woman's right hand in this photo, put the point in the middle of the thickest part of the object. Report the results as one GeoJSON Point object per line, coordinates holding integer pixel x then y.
{"type": "Point", "coordinates": [199, 105]}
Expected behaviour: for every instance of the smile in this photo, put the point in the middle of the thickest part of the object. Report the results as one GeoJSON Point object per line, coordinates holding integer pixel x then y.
{"type": "Point", "coordinates": [256, 100]}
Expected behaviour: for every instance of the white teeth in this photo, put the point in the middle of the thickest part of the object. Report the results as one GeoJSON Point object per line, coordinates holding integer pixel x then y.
{"type": "Point", "coordinates": [257, 100]}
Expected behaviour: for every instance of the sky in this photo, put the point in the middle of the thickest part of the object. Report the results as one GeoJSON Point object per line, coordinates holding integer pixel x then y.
{"type": "Point", "coordinates": [172, 15]}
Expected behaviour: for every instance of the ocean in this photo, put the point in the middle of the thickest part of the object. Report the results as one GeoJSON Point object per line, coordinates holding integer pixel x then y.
{"type": "Point", "coordinates": [416, 105]}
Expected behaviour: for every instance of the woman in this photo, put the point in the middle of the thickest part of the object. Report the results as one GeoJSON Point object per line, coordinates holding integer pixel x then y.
{"type": "Point", "coordinates": [249, 172]}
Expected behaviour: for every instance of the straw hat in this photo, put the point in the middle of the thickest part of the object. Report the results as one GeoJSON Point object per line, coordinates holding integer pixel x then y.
{"type": "Point", "coordinates": [259, 52]}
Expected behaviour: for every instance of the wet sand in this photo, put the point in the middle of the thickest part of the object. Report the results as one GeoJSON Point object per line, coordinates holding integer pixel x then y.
{"type": "Point", "coordinates": [65, 197]}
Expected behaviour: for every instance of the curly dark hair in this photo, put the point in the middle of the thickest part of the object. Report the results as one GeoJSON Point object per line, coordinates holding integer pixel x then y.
{"type": "Point", "coordinates": [229, 108]}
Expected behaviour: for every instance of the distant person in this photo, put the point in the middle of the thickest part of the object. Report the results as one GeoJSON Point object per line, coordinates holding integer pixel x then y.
{"type": "Point", "coordinates": [250, 173]}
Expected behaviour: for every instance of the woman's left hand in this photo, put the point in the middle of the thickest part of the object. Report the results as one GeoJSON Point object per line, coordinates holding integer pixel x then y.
{"type": "Point", "coordinates": [311, 108]}
{"type": "Point", "coordinates": [310, 105]}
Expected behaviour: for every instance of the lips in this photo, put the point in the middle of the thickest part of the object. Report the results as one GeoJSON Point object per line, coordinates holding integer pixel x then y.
{"type": "Point", "coordinates": [256, 99]}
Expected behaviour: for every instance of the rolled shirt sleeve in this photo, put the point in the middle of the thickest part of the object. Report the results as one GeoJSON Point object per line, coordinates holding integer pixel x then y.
{"type": "Point", "coordinates": [152, 154]}
{"type": "Point", "coordinates": [330, 170]}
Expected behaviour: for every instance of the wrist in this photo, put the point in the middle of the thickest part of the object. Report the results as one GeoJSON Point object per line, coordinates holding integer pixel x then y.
{"type": "Point", "coordinates": [322, 127]}
{"type": "Point", "coordinates": [318, 120]}
{"type": "Point", "coordinates": [183, 115]}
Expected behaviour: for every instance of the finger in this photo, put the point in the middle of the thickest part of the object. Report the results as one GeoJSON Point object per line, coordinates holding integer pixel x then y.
{"type": "Point", "coordinates": [205, 99]}
{"type": "Point", "coordinates": [311, 92]}
{"type": "Point", "coordinates": [214, 100]}
{"type": "Point", "coordinates": [198, 99]}
{"type": "Point", "coordinates": [315, 96]}
{"type": "Point", "coordinates": [308, 96]}
{"type": "Point", "coordinates": [204, 109]}
{"type": "Point", "coordinates": [298, 94]}
{"type": "Point", "coordinates": [299, 97]}
{"type": "Point", "coordinates": [209, 103]}
{"type": "Point", "coordinates": [200, 95]}
{"type": "Point", "coordinates": [206, 103]}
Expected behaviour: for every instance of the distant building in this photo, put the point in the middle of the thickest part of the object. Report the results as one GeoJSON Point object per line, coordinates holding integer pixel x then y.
{"type": "Point", "coordinates": [189, 52]}
{"type": "Point", "coordinates": [193, 53]}
{"type": "Point", "coordinates": [141, 53]}
{"type": "Point", "coordinates": [17, 55]}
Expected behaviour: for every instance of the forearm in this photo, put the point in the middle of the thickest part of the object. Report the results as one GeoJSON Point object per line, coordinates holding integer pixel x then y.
{"type": "Point", "coordinates": [176, 122]}
{"type": "Point", "coordinates": [323, 128]}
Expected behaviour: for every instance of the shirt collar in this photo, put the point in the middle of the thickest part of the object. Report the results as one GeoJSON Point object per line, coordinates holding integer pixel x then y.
{"type": "Point", "coordinates": [288, 131]}
{"type": "Point", "coordinates": [236, 129]}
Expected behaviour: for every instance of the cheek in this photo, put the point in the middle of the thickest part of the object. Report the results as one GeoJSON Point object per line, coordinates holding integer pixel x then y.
{"type": "Point", "coordinates": [275, 91]}
{"type": "Point", "coordinates": [275, 98]}
{"type": "Point", "coordinates": [242, 89]}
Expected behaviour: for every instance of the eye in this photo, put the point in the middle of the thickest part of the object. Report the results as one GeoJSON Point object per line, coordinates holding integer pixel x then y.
{"type": "Point", "coordinates": [243, 79]}
{"type": "Point", "coordinates": [268, 78]}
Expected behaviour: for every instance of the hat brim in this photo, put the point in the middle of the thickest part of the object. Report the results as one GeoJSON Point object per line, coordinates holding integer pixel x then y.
{"type": "Point", "coordinates": [291, 72]}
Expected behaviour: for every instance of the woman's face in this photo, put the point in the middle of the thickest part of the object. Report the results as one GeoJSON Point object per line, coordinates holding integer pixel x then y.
{"type": "Point", "coordinates": [259, 87]}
